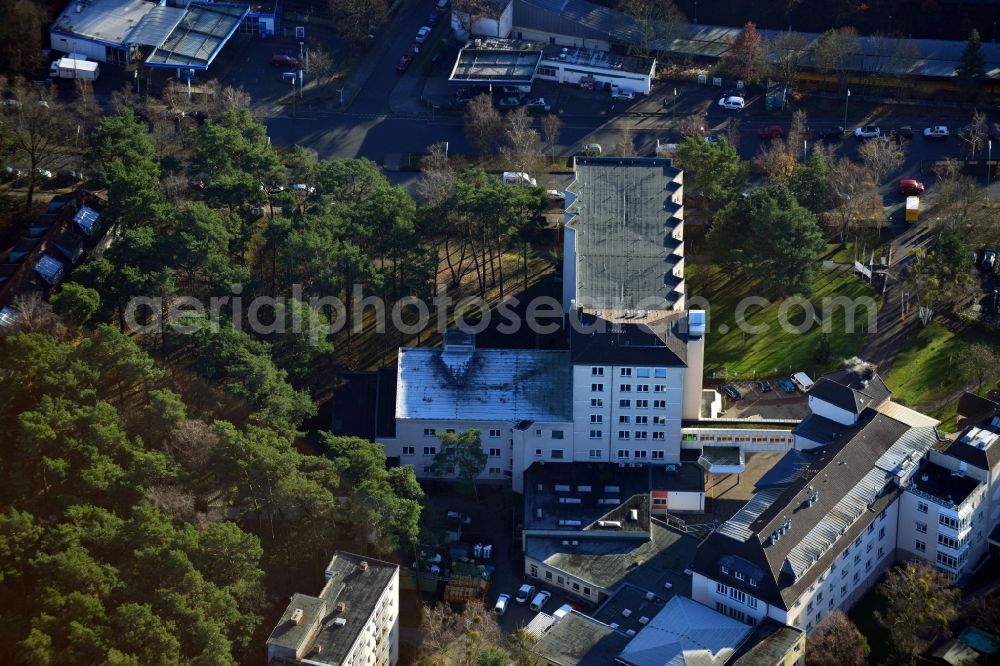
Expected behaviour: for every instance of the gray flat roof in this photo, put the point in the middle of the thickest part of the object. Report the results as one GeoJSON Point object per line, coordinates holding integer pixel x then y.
{"type": "Point", "coordinates": [357, 582]}
{"type": "Point", "coordinates": [596, 485]}
{"type": "Point", "coordinates": [199, 36]}
{"type": "Point", "coordinates": [578, 640]}
{"type": "Point", "coordinates": [609, 562]}
{"type": "Point", "coordinates": [107, 21]}
{"type": "Point", "coordinates": [483, 385]}
{"type": "Point", "coordinates": [625, 215]}
{"type": "Point", "coordinates": [613, 62]}
{"type": "Point", "coordinates": [633, 600]}
{"type": "Point", "coordinates": [501, 61]}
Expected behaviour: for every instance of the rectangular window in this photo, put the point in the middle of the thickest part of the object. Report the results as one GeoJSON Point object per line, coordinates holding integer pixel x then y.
{"type": "Point", "coordinates": [857, 576]}
{"type": "Point", "coordinates": [922, 507]}
{"type": "Point", "coordinates": [538, 452]}
{"type": "Point", "coordinates": [576, 586]}
{"type": "Point", "coordinates": [595, 453]}
{"type": "Point", "coordinates": [586, 590]}
{"type": "Point", "coordinates": [659, 404]}
{"type": "Point", "coordinates": [557, 454]}
{"type": "Point", "coordinates": [657, 434]}
{"type": "Point", "coordinates": [597, 372]}
{"type": "Point", "coordinates": [881, 533]}
{"type": "Point", "coordinates": [560, 580]}
{"type": "Point", "coordinates": [625, 403]}
{"type": "Point", "coordinates": [623, 434]}
{"type": "Point", "coordinates": [843, 573]}
{"type": "Point", "coordinates": [494, 453]}
{"type": "Point", "coordinates": [948, 521]}
{"type": "Point", "coordinates": [557, 434]}
{"type": "Point", "coordinates": [660, 373]}
{"type": "Point", "coordinates": [921, 527]}
{"type": "Point", "coordinates": [857, 559]}
{"type": "Point", "coordinates": [921, 547]}
{"type": "Point", "coordinates": [660, 388]}
{"type": "Point", "coordinates": [494, 432]}
{"type": "Point", "coordinates": [641, 434]}
{"type": "Point", "coordinates": [868, 549]}
{"type": "Point", "coordinates": [881, 515]}
{"type": "Point", "coordinates": [623, 418]}
{"type": "Point", "coordinates": [622, 453]}
{"type": "Point", "coordinates": [738, 575]}
{"type": "Point", "coordinates": [843, 590]}
{"type": "Point", "coordinates": [639, 454]}
{"type": "Point", "coordinates": [881, 551]}
{"type": "Point", "coordinates": [857, 542]}
{"type": "Point", "coordinates": [642, 373]}
{"type": "Point", "coordinates": [625, 388]}
{"type": "Point", "coordinates": [495, 471]}
{"type": "Point", "coordinates": [626, 372]}
{"type": "Point", "coordinates": [595, 434]}
{"type": "Point", "coordinates": [659, 420]}
{"type": "Point", "coordinates": [725, 570]}
{"type": "Point", "coordinates": [597, 388]}
{"type": "Point", "coordinates": [597, 418]}
{"type": "Point", "coordinates": [642, 420]}
{"type": "Point", "coordinates": [642, 388]}
{"type": "Point", "coordinates": [409, 450]}
{"type": "Point", "coordinates": [430, 432]}
{"type": "Point", "coordinates": [871, 528]}
{"type": "Point", "coordinates": [868, 565]}
{"type": "Point", "coordinates": [596, 402]}
{"type": "Point", "coordinates": [430, 450]}
{"type": "Point", "coordinates": [657, 455]}
{"type": "Point", "coordinates": [947, 560]}
{"type": "Point", "coordinates": [548, 575]}
{"type": "Point", "coordinates": [641, 404]}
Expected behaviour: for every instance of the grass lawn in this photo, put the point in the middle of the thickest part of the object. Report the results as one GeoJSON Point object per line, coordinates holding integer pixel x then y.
{"type": "Point", "coordinates": [923, 375]}
{"type": "Point", "coordinates": [778, 350]}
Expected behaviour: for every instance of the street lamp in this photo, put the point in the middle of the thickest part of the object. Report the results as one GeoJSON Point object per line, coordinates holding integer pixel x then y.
{"type": "Point", "coordinates": [989, 159]}
{"type": "Point", "coordinates": [846, 100]}
{"type": "Point", "coordinates": [673, 109]}
{"type": "Point", "coordinates": [340, 91]}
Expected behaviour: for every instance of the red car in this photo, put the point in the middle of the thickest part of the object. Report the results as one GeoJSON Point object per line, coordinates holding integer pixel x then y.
{"type": "Point", "coordinates": [284, 60]}
{"type": "Point", "coordinates": [910, 187]}
{"type": "Point", "coordinates": [404, 62]}
{"type": "Point", "coordinates": [770, 132]}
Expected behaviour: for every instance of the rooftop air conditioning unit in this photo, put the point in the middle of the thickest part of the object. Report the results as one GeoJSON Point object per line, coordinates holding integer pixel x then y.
{"type": "Point", "coordinates": [626, 612]}
{"type": "Point", "coordinates": [643, 620]}
{"type": "Point", "coordinates": [340, 621]}
{"type": "Point", "coordinates": [649, 596]}
{"type": "Point", "coordinates": [630, 632]}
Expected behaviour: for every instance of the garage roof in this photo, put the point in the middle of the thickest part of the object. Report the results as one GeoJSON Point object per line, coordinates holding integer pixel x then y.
{"type": "Point", "coordinates": [198, 36]}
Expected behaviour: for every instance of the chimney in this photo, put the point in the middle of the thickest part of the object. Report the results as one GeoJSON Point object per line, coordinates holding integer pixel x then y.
{"type": "Point", "coordinates": [363, 565]}
{"type": "Point", "coordinates": [341, 607]}
{"type": "Point", "coordinates": [297, 616]}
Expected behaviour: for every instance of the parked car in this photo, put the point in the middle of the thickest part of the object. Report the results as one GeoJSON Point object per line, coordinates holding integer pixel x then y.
{"type": "Point", "coordinates": [936, 132]}
{"type": "Point", "coordinates": [802, 381]}
{"type": "Point", "coordinates": [432, 20]}
{"type": "Point", "coordinates": [501, 605]}
{"type": "Point", "coordinates": [832, 133]}
{"type": "Point", "coordinates": [44, 173]}
{"type": "Point", "coordinates": [70, 175]}
{"type": "Point", "coordinates": [910, 187]}
{"type": "Point", "coordinates": [538, 104]}
{"type": "Point", "coordinates": [538, 603]}
{"type": "Point", "coordinates": [284, 60]}
{"type": "Point", "coordinates": [623, 96]}
{"type": "Point", "coordinates": [11, 172]}
{"type": "Point", "coordinates": [404, 62]}
{"type": "Point", "coordinates": [770, 132]}
{"type": "Point", "coordinates": [787, 386]}
{"type": "Point", "coordinates": [423, 34]}
{"type": "Point", "coordinates": [715, 139]}
{"type": "Point", "coordinates": [441, 5]}
{"type": "Point", "coordinates": [562, 611]}
{"type": "Point", "coordinates": [902, 132]}
{"type": "Point", "coordinates": [524, 593]}
{"type": "Point", "coordinates": [764, 387]}
{"type": "Point", "coordinates": [731, 391]}
{"type": "Point", "coordinates": [591, 150]}
{"type": "Point", "coordinates": [867, 132]}
{"type": "Point", "coordinates": [733, 102]}
{"type": "Point", "coordinates": [989, 260]}
{"type": "Point", "coordinates": [302, 187]}
{"type": "Point", "coordinates": [510, 101]}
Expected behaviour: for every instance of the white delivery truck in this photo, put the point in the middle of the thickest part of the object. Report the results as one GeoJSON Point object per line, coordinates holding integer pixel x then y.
{"type": "Point", "coordinates": [74, 68]}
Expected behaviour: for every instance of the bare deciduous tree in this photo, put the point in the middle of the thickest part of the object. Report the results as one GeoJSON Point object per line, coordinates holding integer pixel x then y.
{"type": "Point", "coordinates": [437, 176]}
{"type": "Point", "coordinates": [797, 133]}
{"type": "Point", "coordinates": [33, 314]}
{"type": "Point", "coordinates": [192, 445]}
{"type": "Point", "coordinates": [625, 146]}
{"type": "Point", "coordinates": [690, 126]}
{"type": "Point", "coordinates": [855, 202]}
{"type": "Point", "coordinates": [551, 125]}
{"type": "Point", "coordinates": [173, 501]}
{"type": "Point", "coordinates": [469, 12]}
{"type": "Point", "coordinates": [787, 50]}
{"type": "Point", "coordinates": [837, 52]}
{"type": "Point", "coordinates": [731, 130]}
{"type": "Point", "coordinates": [482, 123]}
{"type": "Point", "coordinates": [520, 150]}
{"type": "Point", "coordinates": [658, 23]}
{"type": "Point", "coordinates": [38, 130]}
{"type": "Point", "coordinates": [320, 63]}
{"type": "Point", "coordinates": [837, 642]}
{"type": "Point", "coordinates": [975, 134]}
{"type": "Point", "coordinates": [881, 156]}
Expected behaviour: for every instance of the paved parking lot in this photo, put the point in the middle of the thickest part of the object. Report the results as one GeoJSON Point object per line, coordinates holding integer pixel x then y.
{"type": "Point", "coordinates": [773, 404]}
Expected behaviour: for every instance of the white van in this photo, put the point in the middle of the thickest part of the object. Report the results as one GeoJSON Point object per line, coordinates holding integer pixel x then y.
{"type": "Point", "coordinates": [518, 178]}
{"type": "Point", "coordinates": [802, 380]}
